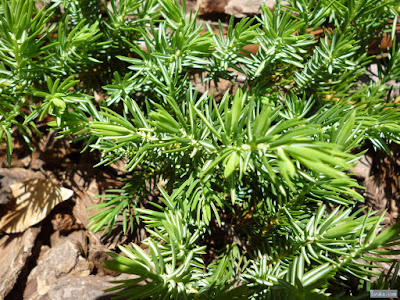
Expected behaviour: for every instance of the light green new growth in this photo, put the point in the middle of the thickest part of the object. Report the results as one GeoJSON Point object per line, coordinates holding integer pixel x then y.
{"type": "Point", "coordinates": [266, 164]}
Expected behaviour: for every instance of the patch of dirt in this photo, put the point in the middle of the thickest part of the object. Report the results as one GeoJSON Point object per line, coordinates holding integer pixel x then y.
{"type": "Point", "coordinates": [60, 246]}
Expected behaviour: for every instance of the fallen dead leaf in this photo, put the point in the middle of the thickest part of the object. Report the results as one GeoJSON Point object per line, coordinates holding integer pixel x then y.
{"type": "Point", "coordinates": [10, 176]}
{"type": "Point", "coordinates": [35, 198]}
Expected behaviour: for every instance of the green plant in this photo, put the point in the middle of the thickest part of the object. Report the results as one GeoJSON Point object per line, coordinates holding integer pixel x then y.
{"type": "Point", "coordinates": [265, 165]}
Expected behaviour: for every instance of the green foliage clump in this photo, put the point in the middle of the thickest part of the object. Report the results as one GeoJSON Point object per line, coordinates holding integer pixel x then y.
{"type": "Point", "coordinates": [262, 170]}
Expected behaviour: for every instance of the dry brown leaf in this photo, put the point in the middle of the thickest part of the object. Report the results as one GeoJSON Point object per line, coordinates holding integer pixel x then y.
{"type": "Point", "coordinates": [10, 176]}
{"type": "Point", "coordinates": [35, 198]}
